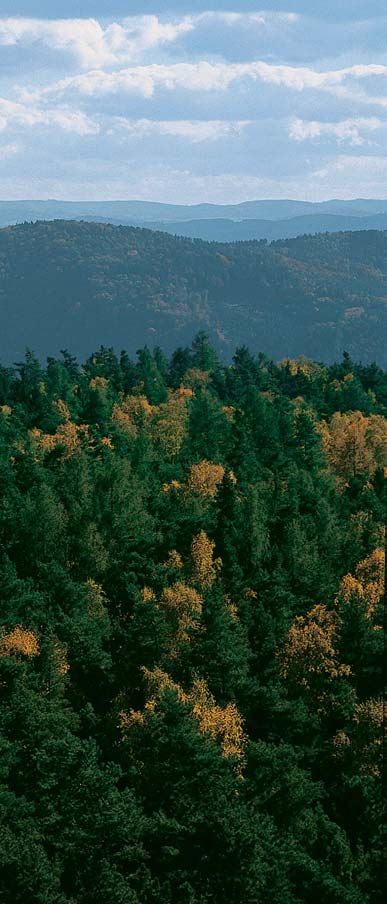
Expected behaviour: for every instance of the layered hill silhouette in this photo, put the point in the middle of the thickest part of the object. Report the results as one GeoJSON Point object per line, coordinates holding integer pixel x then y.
{"type": "Point", "coordinates": [264, 219]}
{"type": "Point", "coordinates": [132, 211]}
{"type": "Point", "coordinates": [77, 285]}
{"type": "Point", "coordinates": [227, 230]}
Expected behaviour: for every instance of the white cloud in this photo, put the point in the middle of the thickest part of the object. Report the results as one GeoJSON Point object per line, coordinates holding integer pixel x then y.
{"type": "Point", "coordinates": [104, 67]}
{"type": "Point", "coordinates": [347, 130]}
{"type": "Point", "coordinates": [90, 43]}
{"type": "Point", "coordinates": [71, 121]}
{"type": "Point", "coordinates": [93, 45]}
{"type": "Point", "coordinates": [84, 38]}
{"type": "Point", "coordinates": [19, 114]}
{"type": "Point", "coordinates": [364, 161]}
{"type": "Point", "coordinates": [195, 131]}
{"type": "Point", "coordinates": [207, 76]}
{"type": "Point", "coordinates": [246, 19]}
{"type": "Point", "coordinates": [143, 80]}
{"type": "Point", "coordinates": [140, 33]}
{"type": "Point", "coordinates": [300, 78]}
{"type": "Point", "coordinates": [363, 176]}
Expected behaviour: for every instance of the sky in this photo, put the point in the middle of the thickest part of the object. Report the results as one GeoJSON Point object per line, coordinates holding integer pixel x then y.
{"type": "Point", "coordinates": [191, 102]}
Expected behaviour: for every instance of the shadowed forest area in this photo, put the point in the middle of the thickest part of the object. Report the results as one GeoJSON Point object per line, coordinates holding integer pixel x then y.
{"type": "Point", "coordinates": [76, 285]}
{"type": "Point", "coordinates": [191, 652]}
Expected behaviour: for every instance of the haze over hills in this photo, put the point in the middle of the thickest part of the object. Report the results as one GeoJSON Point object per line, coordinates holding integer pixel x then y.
{"type": "Point", "coordinates": [78, 285]}
{"type": "Point", "coordinates": [213, 222]}
{"type": "Point", "coordinates": [224, 230]}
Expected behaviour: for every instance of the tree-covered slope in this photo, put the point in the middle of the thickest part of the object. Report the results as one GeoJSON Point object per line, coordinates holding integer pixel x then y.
{"type": "Point", "coordinates": [77, 285]}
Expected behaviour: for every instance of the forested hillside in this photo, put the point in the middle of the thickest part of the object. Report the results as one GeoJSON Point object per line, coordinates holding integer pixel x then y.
{"type": "Point", "coordinates": [77, 285]}
{"type": "Point", "coordinates": [192, 576]}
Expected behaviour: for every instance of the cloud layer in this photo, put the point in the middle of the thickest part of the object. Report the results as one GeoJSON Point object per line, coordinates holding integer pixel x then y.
{"type": "Point", "coordinates": [202, 104]}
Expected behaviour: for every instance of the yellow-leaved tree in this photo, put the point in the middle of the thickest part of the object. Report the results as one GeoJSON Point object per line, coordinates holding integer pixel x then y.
{"type": "Point", "coordinates": [123, 421]}
{"type": "Point", "coordinates": [68, 435]}
{"type": "Point", "coordinates": [19, 642]}
{"type": "Point", "coordinates": [174, 560]}
{"type": "Point", "coordinates": [131, 412]}
{"type": "Point", "coordinates": [204, 478]}
{"type": "Point", "coordinates": [361, 744]}
{"type": "Point", "coordinates": [205, 567]}
{"type": "Point", "coordinates": [355, 444]}
{"type": "Point", "coordinates": [169, 422]}
{"type": "Point", "coordinates": [60, 658]}
{"type": "Point", "coordinates": [366, 586]}
{"type": "Point", "coordinates": [224, 725]}
{"type": "Point", "coordinates": [309, 658]}
{"type": "Point", "coordinates": [184, 606]}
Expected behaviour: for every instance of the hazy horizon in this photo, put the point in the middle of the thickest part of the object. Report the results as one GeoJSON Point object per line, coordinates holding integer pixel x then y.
{"type": "Point", "coordinates": [204, 202]}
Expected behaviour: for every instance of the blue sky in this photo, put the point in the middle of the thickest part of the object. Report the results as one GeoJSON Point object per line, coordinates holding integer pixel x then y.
{"type": "Point", "coordinates": [193, 101]}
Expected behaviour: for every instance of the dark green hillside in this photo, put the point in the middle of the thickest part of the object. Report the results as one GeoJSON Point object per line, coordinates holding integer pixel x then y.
{"type": "Point", "coordinates": [70, 284]}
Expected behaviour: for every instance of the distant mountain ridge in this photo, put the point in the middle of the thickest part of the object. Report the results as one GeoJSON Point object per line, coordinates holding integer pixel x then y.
{"type": "Point", "coordinates": [78, 285]}
{"type": "Point", "coordinates": [212, 222]}
{"type": "Point", "coordinates": [224, 230]}
{"type": "Point", "coordinates": [147, 211]}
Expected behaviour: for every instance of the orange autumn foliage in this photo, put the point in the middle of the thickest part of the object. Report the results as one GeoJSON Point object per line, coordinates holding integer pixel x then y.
{"type": "Point", "coordinates": [169, 425]}
{"type": "Point", "coordinates": [369, 724]}
{"type": "Point", "coordinates": [147, 594]}
{"type": "Point", "coordinates": [371, 574]}
{"type": "Point", "coordinates": [99, 383]}
{"type": "Point", "coordinates": [205, 568]}
{"type": "Point", "coordinates": [367, 585]}
{"type": "Point", "coordinates": [136, 406]}
{"type": "Point", "coordinates": [62, 410]}
{"type": "Point", "coordinates": [174, 560]}
{"type": "Point", "coordinates": [184, 605]}
{"type": "Point", "coordinates": [68, 435]}
{"type": "Point", "coordinates": [173, 485]}
{"type": "Point", "coordinates": [60, 654]}
{"type": "Point", "coordinates": [303, 365]}
{"type": "Point", "coordinates": [362, 741]}
{"type": "Point", "coordinates": [224, 725]}
{"type": "Point", "coordinates": [204, 478]}
{"type": "Point", "coordinates": [19, 642]}
{"type": "Point", "coordinates": [355, 444]}
{"type": "Point", "coordinates": [130, 413]}
{"type": "Point", "coordinates": [123, 421]}
{"type": "Point", "coordinates": [309, 649]}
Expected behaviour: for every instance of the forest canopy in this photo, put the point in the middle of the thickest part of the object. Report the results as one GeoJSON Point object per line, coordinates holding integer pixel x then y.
{"type": "Point", "coordinates": [191, 643]}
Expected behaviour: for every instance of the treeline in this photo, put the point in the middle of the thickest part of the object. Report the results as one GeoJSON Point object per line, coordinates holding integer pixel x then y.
{"type": "Point", "coordinates": [191, 642]}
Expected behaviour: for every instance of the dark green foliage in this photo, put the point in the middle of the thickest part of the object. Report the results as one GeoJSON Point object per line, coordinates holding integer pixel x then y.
{"type": "Point", "coordinates": [191, 652]}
